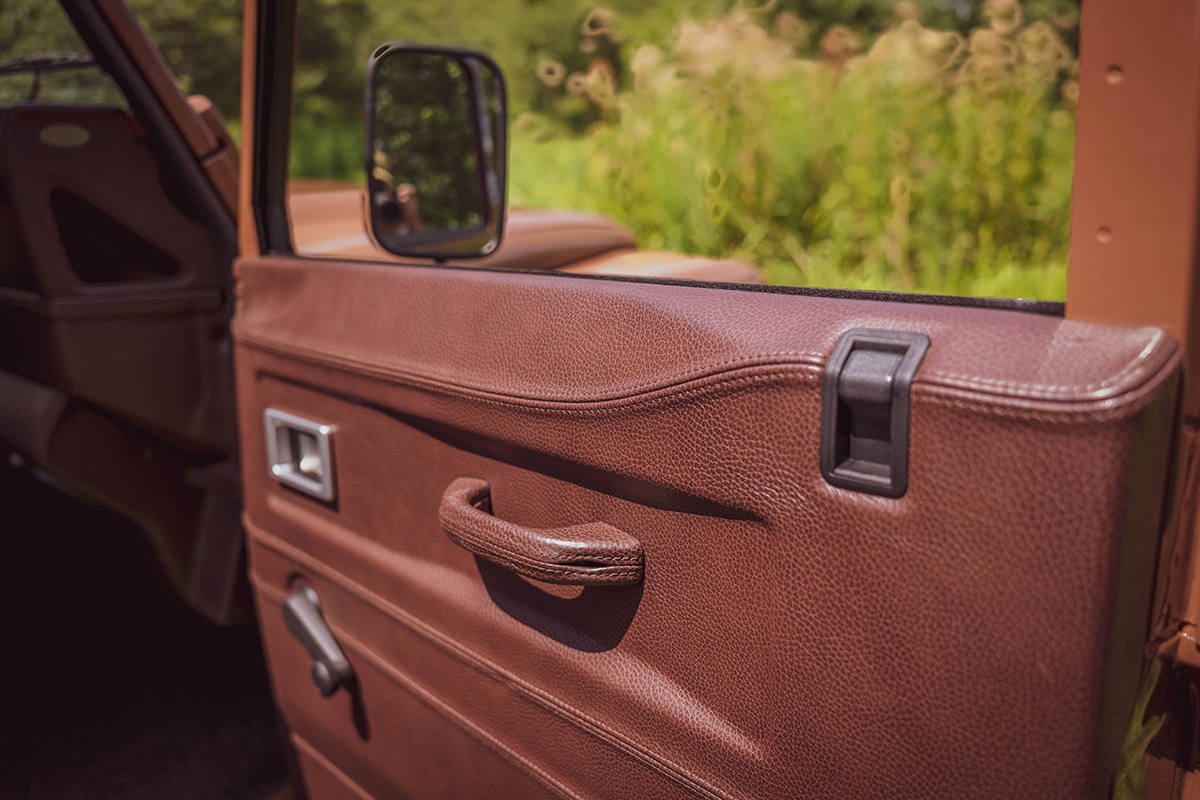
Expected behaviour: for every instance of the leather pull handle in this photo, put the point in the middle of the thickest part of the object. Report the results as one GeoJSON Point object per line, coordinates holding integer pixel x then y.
{"type": "Point", "coordinates": [592, 554]}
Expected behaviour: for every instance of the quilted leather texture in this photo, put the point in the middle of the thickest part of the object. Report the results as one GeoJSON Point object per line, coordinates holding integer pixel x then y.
{"type": "Point", "coordinates": [978, 637]}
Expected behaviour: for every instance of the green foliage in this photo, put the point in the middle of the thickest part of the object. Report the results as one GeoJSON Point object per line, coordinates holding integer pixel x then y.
{"type": "Point", "coordinates": [424, 143]}
{"type": "Point", "coordinates": [1130, 783]}
{"type": "Point", "coordinates": [202, 42]}
{"type": "Point", "coordinates": [933, 163]}
{"type": "Point", "coordinates": [520, 34]}
{"type": "Point", "coordinates": [33, 27]}
{"type": "Point", "coordinates": [831, 142]}
{"type": "Point", "coordinates": [334, 40]}
{"type": "Point", "coordinates": [331, 149]}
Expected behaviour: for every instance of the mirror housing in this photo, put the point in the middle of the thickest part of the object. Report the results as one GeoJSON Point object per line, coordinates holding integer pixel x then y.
{"type": "Point", "coordinates": [436, 151]}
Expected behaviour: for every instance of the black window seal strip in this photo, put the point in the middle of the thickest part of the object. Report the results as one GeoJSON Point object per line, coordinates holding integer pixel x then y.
{"type": "Point", "coordinates": [1046, 308]}
{"type": "Point", "coordinates": [273, 74]}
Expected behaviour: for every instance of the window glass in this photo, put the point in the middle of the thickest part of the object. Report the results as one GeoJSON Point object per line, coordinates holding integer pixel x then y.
{"type": "Point", "coordinates": [42, 58]}
{"type": "Point", "coordinates": [202, 41]}
{"type": "Point", "coordinates": [921, 145]}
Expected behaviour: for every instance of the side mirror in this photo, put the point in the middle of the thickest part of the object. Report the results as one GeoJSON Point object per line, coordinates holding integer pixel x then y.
{"type": "Point", "coordinates": [436, 151]}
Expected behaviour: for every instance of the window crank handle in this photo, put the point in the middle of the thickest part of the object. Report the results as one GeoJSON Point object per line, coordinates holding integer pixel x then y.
{"type": "Point", "coordinates": [302, 615]}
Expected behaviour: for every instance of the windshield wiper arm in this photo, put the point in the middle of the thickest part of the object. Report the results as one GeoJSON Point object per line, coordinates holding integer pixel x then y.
{"type": "Point", "coordinates": [47, 62]}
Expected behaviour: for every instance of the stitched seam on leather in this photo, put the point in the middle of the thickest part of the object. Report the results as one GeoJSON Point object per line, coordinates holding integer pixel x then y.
{"type": "Point", "coordinates": [1096, 411]}
{"type": "Point", "coordinates": [782, 358]}
{"type": "Point", "coordinates": [1102, 409]}
{"type": "Point", "coordinates": [540, 775]}
{"type": "Point", "coordinates": [803, 372]}
{"type": "Point", "coordinates": [1143, 363]}
{"type": "Point", "coordinates": [1037, 415]}
{"type": "Point", "coordinates": [413, 687]}
{"type": "Point", "coordinates": [578, 573]}
{"type": "Point", "coordinates": [601, 572]}
{"type": "Point", "coordinates": [315, 754]}
{"type": "Point", "coordinates": [451, 646]}
{"type": "Point", "coordinates": [468, 537]}
{"type": "Point", "coordinates": [661, 764]}
{"type": "Point", "coordinates": [1112, 408]}
{"type": "Point", "coordinates": [506, 558]}
{"type": "Point", "coordinates": [464, 531]}
{"type": "Point", "coordinates": [926, 381]}
{"type": "Point", "coordinates": [555, 569]}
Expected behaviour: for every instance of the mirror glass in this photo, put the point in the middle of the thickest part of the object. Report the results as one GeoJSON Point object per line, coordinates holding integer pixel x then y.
{"type": "Point", "coordinates": [435, 187]}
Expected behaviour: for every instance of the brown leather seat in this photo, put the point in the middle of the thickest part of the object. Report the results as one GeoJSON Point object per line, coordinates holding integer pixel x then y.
{"type": "Point", "coordinates": [114, 290]}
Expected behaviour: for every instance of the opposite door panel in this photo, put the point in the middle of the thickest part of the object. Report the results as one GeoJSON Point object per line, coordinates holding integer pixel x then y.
{"type": "Point", "coordinates": [979, 636]}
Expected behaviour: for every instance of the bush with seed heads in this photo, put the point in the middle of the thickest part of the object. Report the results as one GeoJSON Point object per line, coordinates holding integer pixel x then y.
{"type": "Point", "coordinates": [931, 161]}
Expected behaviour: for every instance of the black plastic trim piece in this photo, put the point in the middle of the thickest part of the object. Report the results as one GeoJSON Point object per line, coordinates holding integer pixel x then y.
{"type": "Point", "coordinates": [276, 33]}
{"type": "Point", "coordinates": [1046, 308]}
{"type": "Point", "coordinates": [880, 388]}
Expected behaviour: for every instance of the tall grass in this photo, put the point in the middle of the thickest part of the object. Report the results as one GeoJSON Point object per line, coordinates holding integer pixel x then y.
{"type": "Point", "coordinates": [931, 162]}
{"type": "Point", "coordinates": [328, 147]}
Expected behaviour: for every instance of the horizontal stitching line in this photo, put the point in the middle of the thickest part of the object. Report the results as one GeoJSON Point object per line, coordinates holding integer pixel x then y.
{"type": "Point", "coordinates": [504, 549]}
{"type": "Point", "coordinates": [709, 370]}
{"type": "Point", "coordinates": [663, 392]}
{"type": "Point", "coordinates": [664, 766]}
{"type": "Point", "coordinates": [417, 690]}
{"type": "Point", "coordinates": [579, 572]}
{"type": "Point", "coordinates": [1034, 415]}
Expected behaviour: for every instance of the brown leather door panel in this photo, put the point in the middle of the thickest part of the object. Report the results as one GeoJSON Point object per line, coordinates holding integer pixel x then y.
{"type": "Point", "coordinates": [979, 636]}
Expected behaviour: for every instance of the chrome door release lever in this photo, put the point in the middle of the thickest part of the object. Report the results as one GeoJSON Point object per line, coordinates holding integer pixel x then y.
{"type": "Point", "coordinates": [302, 615]}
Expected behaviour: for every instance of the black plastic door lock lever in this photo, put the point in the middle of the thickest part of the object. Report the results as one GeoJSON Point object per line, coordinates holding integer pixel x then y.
{"type": "Point", "coordinates": [302, 615]}
{"type": "Point", "coordinates": [865, 410]}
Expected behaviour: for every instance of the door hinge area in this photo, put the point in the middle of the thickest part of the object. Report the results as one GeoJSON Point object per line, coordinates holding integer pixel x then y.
{"type": "Point", "coordinates": [865, 410]}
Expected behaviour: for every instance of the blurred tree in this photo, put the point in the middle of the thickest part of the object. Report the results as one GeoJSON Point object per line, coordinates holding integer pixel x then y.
{"type": "Point", "coordinates": [871, 17]}
{"type": "Point", "coordinates": [424, 140]}
{"type": "Point", "coordinates": [203, 43]}
{"type": "Point", "coordinates": [331, 57]}
{"type": "Point", "coordinates": [34, 26]}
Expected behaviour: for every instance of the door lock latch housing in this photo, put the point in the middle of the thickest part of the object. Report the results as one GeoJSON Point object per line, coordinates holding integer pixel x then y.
{"type": "Point", "coordinates": [299, 454]}
{"type": "Point", "coordinates": [865, 410]}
